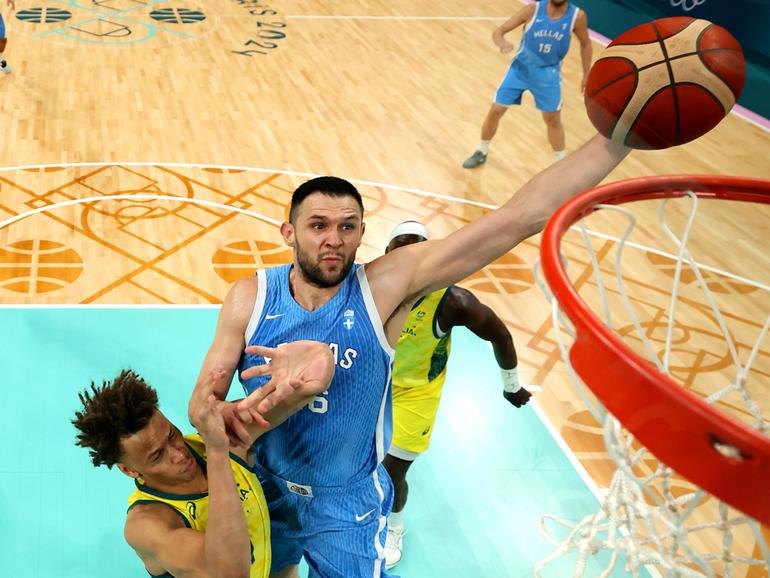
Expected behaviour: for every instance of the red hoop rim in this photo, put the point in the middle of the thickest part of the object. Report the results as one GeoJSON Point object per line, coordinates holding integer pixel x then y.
{"type": "Point", "coordinates": [677, 426]}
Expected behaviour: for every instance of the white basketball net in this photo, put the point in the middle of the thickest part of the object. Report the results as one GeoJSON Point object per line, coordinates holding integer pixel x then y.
{"type": "Point", "coordinates": [650, 517]}
{"type": "Point", "coordinates": [687, 5]}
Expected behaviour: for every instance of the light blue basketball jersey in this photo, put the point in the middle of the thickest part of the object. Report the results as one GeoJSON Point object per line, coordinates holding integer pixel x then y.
{"type": "Point", "coordinates": [2, 27]}
{"type": "Point", "coordinates": [545, 42]}
{"type": "Point", "coordinates": [342, 435]}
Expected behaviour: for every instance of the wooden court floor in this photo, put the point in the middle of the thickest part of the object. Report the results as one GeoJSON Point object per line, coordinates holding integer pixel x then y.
{"type": "Point", "coordinates": [216, 111]}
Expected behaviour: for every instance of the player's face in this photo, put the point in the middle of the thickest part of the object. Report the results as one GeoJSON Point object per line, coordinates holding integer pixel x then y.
{"type": "Point", "coordinates": [325, 235]}
{"type": "Point", "coordinates": [158, 453]}
{"type": "Point", "coordinates": [403, 241]}
{"type": "Point", "coordinates": [558, 2]}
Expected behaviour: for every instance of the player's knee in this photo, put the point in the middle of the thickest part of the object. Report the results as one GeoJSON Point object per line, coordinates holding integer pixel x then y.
{"type": "Point", "coordinates": [497, 110]}
{"type": "Point", "coordinates": [552, 119]}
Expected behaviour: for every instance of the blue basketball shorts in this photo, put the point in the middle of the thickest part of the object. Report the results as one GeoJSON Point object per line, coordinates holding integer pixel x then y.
{"type": "Point", "coordinates": [340, 530]}
{"type": "Point", "coordinates": [2, 27]}
{"type": "Point", "coordinates": [544, 83]}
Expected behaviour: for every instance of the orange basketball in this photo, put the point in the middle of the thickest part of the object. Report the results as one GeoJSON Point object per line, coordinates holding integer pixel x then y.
{"type": "Point", "coordinates": [665, 83]}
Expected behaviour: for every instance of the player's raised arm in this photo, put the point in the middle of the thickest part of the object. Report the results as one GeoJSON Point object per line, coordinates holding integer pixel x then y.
{"type": "Point", "coordinates": [418, 269]}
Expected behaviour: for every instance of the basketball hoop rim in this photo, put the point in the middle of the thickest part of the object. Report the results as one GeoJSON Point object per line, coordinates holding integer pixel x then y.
{"type": "Point", "coordinates": [603, 360]}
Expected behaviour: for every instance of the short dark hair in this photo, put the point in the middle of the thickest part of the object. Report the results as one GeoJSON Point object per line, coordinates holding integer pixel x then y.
{"type": "Point", "coordinates": [330, 186]}
{"type": "Point", "coordinates": [115, 410]}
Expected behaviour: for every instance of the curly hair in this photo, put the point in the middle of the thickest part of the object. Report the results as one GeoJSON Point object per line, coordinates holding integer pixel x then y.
{"type": "Point", "coordinates": [116, 409]}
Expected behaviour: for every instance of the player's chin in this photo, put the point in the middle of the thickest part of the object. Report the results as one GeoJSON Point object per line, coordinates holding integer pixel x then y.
{"type": "Point", "coordinates": [332, 272]}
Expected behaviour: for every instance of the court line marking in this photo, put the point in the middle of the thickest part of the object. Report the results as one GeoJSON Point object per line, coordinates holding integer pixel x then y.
{"type": "Point", "coordinates": [386, 17]}
{"type": "Point", "coordinates": [410, 190]}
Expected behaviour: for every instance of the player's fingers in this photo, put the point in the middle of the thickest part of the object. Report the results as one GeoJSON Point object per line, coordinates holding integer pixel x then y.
{"type": "Point", "coordinates": [238, 431]}
{"type": "Point", "coordinates": [260, 420]}
{"type": "Point", "coordinates": [274, 398]}
{"type": "Point", "coordinates": [256, 371]}
{"type": "Point", "coordinates": [260, 350]}
{"type": "Point", "coordinates": [255, 397]}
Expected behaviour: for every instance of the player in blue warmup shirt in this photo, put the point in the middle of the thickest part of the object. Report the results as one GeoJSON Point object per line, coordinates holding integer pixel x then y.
{"type": "Point", "coordinates": [321, 471]}
{"type": "Point", "coordinates": [4, 66]}
{"type": "Point", "coordinates": [548, 26]}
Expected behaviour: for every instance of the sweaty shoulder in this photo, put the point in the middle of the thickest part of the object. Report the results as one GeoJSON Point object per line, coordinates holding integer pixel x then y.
{"type": "Point", "coordinates": [240, 299]}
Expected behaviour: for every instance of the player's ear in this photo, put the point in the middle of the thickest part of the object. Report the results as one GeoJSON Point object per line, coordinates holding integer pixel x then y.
{"type": "Point", "coordinates": [287, 231]}
{"type": "Point", "coordinates": [130, 472]}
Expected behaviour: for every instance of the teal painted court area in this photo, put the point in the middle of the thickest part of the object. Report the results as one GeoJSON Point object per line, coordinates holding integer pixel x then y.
{"type": "Point", "coordinates": [475, 498]}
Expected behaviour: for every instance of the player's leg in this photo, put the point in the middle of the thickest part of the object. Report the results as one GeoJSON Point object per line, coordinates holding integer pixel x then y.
{"type": "Point", "coordinates": [397, 465]}
{"type": "Point", "coordinates": [556, 135]}
{"type": "Point", "coordinates": [509, 92]}
{"type": "Point", "coordinates": [4, 66]}
{"type": "Point", "coordinates": [347, 539]}
{"type": "Point", "coordinates": [414, 413]}
{"type": "Point", "coordinates": [546, 89]}
{"type": "Point", "coordinates": [397, 469]}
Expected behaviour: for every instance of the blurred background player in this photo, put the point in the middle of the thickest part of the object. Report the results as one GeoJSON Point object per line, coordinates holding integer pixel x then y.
{"type": "Point", "coordinates": [419, 372]}
{"type": "Point", "coordinates": [198, 509]}
{"type": "Point", "coordinates": [4, 66]}
{"type": "Point", "coordinates": [537, 67]}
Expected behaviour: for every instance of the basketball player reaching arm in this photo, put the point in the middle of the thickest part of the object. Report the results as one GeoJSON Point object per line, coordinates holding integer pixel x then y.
{"type": "Point", "coordinates": [340, 439]}
{"type": "Point", "coordinates": [419, 373]}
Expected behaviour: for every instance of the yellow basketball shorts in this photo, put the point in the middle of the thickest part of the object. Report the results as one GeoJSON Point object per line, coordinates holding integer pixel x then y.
{"type": "Point", "coordinates": [414, 414]}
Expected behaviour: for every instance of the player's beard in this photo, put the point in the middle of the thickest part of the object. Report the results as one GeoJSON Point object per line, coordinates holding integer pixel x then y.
{"type": "Point", "coordinates": [315, 275]}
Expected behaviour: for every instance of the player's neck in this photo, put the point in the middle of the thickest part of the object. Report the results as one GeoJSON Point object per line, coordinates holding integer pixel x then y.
{"type": "Point", "coordinates": [555, 12]}
{"type": "Point", "coordinates": [307, 295]}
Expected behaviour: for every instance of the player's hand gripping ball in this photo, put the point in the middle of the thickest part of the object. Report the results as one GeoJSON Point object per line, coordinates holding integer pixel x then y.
{"type": "Point", "coordinates": [665, 83]}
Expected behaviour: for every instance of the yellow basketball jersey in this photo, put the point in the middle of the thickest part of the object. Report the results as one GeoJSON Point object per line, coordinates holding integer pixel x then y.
{"type": "Point", "coordinates": [194, 508]}
{"type": "Point", "coordinates": [423, 349]}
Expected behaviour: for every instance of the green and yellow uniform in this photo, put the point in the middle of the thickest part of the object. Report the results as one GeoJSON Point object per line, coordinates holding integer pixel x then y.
{"type": "Point", "coordinates": [194, 508]}
{"type": "Point", "coordinates": [419, 371]}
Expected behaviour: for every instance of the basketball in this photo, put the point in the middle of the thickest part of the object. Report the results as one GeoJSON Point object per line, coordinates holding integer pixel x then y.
{"type": "Point", "coordinates": [665, 83]}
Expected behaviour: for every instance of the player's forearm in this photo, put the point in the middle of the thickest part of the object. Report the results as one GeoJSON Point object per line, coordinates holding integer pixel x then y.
{"type": "Point", "coordinates": [505, 352]}
{"type": "Point", "coordinates": [586, 56]}
{"type": "Point", "coordinates": [202, 387]}
{"type": "Point", "coordinates": [536, 201]}
{"type": "Point", "coordinates": [498, 36]}
{"type": "Point", "coordinates": [227, 547]}
{"type": "Point", "coordinates": [524, 215]}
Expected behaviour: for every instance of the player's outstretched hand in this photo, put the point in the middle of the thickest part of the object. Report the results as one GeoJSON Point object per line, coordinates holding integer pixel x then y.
{"type": "Point", "coordinates": [505, 47]}
{"type": "Point", "coordinates": [519, 397]}
{"type": "Point", "coordinates": [303, 368]}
